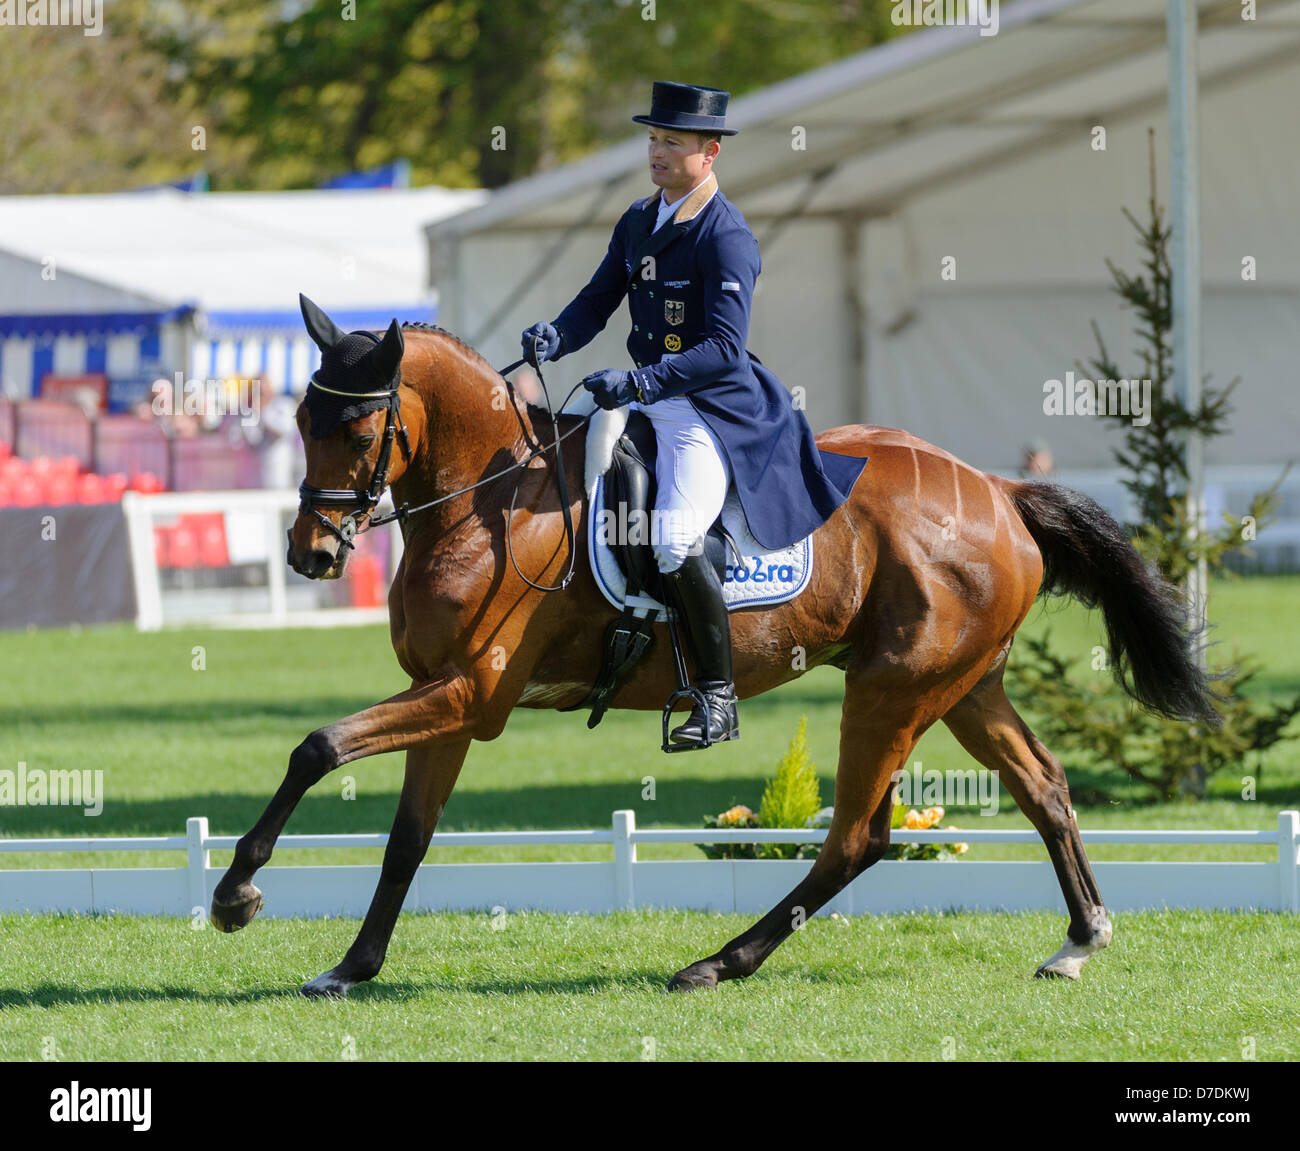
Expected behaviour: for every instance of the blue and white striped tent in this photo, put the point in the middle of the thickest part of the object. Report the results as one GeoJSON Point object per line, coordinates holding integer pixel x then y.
{"type": "Point", "coordinates": [137, 285]}
{"type": "Point", "coordinates": [274, 346]}
{"type": "Point", "coordinates": [125, 346]}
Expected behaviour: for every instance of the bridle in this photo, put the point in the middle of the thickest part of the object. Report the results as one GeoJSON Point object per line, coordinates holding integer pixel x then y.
{"type": "Point", "coordinates": [310, 496]}
{"type": "Point", "coordinates": [366, 499]}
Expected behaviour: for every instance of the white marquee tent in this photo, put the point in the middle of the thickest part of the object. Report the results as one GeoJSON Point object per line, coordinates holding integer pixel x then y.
{"type": "Point", "coordinates": [947, 144]}
{"type": "Point", "coordinates": [138, 282]}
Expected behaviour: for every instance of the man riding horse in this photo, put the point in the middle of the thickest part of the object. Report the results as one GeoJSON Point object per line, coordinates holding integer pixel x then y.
{"type": "Point", "coordinates": [687, 262]}
{"type": "Point", "coordinates": [920, 620]}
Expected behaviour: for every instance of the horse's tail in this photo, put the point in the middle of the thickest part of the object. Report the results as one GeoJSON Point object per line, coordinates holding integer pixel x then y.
{"type": "Point", "coordinates": [1089, 556]}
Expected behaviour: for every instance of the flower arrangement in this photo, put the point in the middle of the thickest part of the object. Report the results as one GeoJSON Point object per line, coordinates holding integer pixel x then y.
{"type": "Point", "coordinates": [792, 798]}
{"type": "Point", "coordinates": [733, 817]}
{"type": "Point", "coordinates": [914, 820]}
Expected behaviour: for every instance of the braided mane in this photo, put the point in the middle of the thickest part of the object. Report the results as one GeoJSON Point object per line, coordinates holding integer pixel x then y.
{"type": "Point", "coordinates": [424, 326]}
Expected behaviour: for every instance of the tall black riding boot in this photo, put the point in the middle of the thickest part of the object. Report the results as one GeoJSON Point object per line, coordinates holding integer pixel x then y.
{"type": "Point", "coordinates": [698, 592]}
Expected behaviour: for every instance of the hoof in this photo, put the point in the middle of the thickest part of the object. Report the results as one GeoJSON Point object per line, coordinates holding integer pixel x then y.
{"type": "Point", "coordinates": [327, 986]}
{"type": "Point", "coordinates": [1058, 971]}
{"type": "Point", "coordinates": [233, 916]}
{"type": "Point", "coordinates": [1069, 961]}
{"type": "Point", "coordinates": [693, 978]}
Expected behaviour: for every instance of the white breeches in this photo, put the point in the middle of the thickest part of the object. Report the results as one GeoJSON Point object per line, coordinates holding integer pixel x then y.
{"type": "Point", "coordinates": [691, 476]}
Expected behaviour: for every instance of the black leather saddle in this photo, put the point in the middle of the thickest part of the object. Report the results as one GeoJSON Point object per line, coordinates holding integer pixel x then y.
{"type": "Point", "coordinates": [629, 496]}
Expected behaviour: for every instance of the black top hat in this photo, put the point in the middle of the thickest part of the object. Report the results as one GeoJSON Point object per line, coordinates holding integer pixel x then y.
{"type": "Point", "coordinates": [688, 108]}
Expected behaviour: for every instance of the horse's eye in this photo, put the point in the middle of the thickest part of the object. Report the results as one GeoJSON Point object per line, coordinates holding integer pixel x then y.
{"type": "Point", "coordinates": [362, 443]}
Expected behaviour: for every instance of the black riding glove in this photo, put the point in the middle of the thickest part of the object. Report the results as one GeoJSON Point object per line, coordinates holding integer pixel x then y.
{"type": "Point", "coordinates": [550, 338]}
{"type": "Point", "coordinates": [611, 388]}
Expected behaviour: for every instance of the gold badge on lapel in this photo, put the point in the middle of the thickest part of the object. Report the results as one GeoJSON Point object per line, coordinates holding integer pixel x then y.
{"type": "Point", "coordinates": [673, 342]}
{"type": "Point", "coordinates": [675, 311]}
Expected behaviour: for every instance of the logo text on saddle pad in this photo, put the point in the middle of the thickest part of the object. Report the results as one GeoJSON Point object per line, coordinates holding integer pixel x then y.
{"type": "Point", "coordinates": [755, 571]}
{"type": "Point", "coordinates": [759, 579]}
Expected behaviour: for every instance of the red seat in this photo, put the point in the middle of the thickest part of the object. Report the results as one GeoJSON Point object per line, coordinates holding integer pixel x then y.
{"type": "Point", "coordinates": [90, 489]}
{"type": "Point", "coordinates": [146, 483]}
{"type": "Point", "coordinates": [161, 546]}
{"type": "Point", "coordinates": [67, 466]}
{"type": "Point", "coordinates": [182, 547]}
{"type": "Point", "coordinates": [60, 490]}
{"type": "Point", "coordinates": [210, 528]}
{"type": "Point", "coordinates": [14, 468]}
{"type": "Point", "coordinates": [27, 492]}
{"type": "Point", "coordinates": [114, 486]}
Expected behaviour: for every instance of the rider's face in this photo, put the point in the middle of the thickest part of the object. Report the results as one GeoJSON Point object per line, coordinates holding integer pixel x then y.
{"type": "Point", "coordinates": [679, 160]}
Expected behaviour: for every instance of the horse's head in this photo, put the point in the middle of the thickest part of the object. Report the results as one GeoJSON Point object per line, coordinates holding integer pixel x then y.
{"type": "Point", "coordinates": [349, 420]}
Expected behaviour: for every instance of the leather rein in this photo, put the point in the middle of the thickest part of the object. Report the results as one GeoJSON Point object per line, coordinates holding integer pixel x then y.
{"type": "Point", "coordinates": [310, 498]}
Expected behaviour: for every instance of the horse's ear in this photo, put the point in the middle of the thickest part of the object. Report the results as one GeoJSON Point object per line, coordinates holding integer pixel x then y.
{"type": "Point", "coordinates": [320, 327]}
{"type": "Point", "coordinates": [389, 353]}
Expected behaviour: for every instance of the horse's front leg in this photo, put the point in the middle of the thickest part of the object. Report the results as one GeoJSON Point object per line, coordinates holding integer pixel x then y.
{"type": "Point", "coordinates": [422, 715]}
{"type": "Point", "coordinates": [431, 773]}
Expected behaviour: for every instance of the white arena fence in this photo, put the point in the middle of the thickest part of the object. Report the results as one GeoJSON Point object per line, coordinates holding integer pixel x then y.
{"type": "Point", "coordinates": [254, 586]}
{"type": "Point", "coordinates": [624, 882]}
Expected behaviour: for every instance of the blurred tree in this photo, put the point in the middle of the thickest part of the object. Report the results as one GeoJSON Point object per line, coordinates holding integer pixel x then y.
{"type": "Point", "coordinates": [89, 113]}
{"type": "Point", "coordinates": [620, 46]}
{"type": "Point", "coordinates": [293, 92]}
{"type": "Point", "coordinates": [483, 92]}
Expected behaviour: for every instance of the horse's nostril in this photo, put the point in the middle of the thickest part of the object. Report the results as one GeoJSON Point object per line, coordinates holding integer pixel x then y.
{"type": "Point", "coordinates": [318, 563]}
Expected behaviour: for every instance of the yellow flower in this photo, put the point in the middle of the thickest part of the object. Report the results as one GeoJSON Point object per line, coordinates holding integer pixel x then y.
{"type": "Point", "coordinates": [915, 821]}
{"type": "Point", "coordinates": [735, 815]}
{"type": "Point", "coordinates": [933, 815]}
{"type": "Point", "coordinates": [960, 848]}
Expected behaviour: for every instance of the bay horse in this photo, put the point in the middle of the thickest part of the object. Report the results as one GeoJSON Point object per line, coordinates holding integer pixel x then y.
{"type": "Point", "coordinates": [921, 580]}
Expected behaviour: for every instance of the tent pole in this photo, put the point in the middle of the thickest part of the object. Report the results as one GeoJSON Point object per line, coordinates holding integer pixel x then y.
{"type": "Point", "coordinates": [854, 318]}
{"type": "Point", "coordinates": [1184, 173]}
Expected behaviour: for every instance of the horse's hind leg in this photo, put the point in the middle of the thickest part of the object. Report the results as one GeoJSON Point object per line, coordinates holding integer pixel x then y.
{"type": "Point", "coordinates": [876, 737]}
{"type": "Point", "coordinates": [431, 774]}
{"type": "Point", "coordinates": [992, 731]}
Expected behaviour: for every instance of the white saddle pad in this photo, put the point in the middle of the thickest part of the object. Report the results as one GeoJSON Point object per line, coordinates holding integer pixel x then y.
{"type": "Point", "coordinates": [762, 577]}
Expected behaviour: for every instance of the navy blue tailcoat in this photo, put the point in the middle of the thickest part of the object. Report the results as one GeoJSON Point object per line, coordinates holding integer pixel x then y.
{"type": "Point", "coordinates": [690, 286]}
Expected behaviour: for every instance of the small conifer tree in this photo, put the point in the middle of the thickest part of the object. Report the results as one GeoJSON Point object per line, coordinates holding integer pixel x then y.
{"type": "Point", "coordinates": [1096, 723]}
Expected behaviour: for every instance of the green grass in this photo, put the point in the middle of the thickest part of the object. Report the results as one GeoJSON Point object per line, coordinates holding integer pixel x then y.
{"type": "Point", "coordinates": [560, 987]}
{"type": "Point", "coordinates": [174, 742]}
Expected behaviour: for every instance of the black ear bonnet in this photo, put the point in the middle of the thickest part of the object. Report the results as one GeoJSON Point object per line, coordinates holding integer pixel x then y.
{"type": "Point", "coordinates": [357, 373]}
